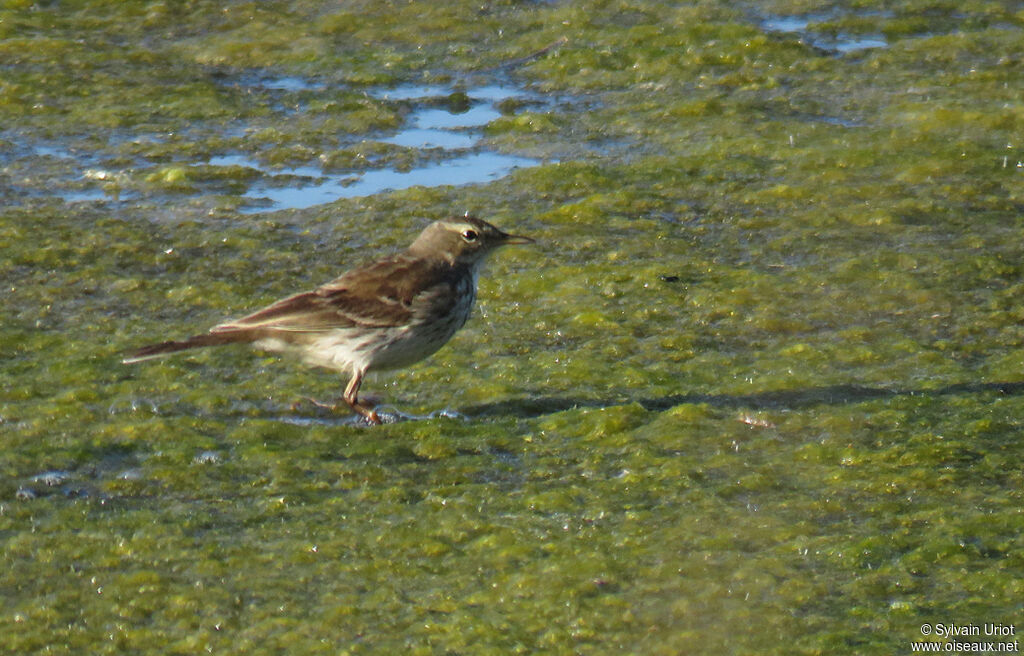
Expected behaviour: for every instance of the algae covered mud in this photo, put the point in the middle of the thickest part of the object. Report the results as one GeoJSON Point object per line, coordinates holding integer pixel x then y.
{"type": "Point", "coordinates": [759, 388]}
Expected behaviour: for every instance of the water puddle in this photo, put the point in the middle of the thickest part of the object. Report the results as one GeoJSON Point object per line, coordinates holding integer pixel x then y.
{"type": "Point", "coordinates": [451, 129]}
{"type": "Point", "coordinates": [411, 92]}
{"type": "Point", "coordinates": [840, 44]}
{"type": "Point", "coordinates": [442, 133]}
{"type": "Point", "coordinates": [388, 415]}
{"type": "Point", "coordinates": [469, 169]}
{"type": "Point", "coordinates": [431, 138]}
{"type": "Point", "coordinates": [288, 83]}
{"type": "Point", "coordinates": [433, 127]}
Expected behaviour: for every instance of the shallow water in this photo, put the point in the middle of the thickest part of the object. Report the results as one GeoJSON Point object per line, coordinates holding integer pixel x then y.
{"type": "Point", "coordinates": [475, 168]}
{"type": "Point", "coordinates": [757, 389]}
{"type": "Point", "coordinates": [453, 134]}
{"type": "Point", "coordinates": [840, 43]}
{"type": "Point", "coordinates": [427, 128]}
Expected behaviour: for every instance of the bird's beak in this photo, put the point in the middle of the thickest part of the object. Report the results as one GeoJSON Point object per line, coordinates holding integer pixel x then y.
{"type": "Point", "coordinates": [510, 240]}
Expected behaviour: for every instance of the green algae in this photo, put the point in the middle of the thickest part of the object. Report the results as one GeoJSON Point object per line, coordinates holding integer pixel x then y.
{"type": "Point", "coordinates": [756, 390]}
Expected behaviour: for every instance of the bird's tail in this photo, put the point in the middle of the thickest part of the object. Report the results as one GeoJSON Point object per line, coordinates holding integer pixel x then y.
{"type": "Point", "coordinates": [197, 341]}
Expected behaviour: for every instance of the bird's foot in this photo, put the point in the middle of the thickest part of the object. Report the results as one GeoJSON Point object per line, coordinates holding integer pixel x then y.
{"type": "Point", "coordinates": [371, 418]}
{"type": "Point", "coordinates": [364, 408]}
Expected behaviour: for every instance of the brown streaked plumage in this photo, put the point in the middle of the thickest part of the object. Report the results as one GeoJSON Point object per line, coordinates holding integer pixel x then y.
{"type": "Point", "coordinates": [385, 315]}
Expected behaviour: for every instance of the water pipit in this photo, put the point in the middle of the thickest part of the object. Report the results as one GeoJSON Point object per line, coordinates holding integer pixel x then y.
{"type": "Point", "coordinates": [386, 315]}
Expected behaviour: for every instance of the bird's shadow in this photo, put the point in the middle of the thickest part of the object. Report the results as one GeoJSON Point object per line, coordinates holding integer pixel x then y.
{"type": "Point", "coordinates": [771, 400]}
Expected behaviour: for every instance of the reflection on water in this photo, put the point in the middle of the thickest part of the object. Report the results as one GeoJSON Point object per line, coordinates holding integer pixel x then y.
{"type": "Point", "coordinates": [288, 83]}
{"type": "Point", "coordinates": [433, 127]}
{"type": "Point", "coordinates": [410, 92]}
{"type": "Point", "coordinates": [432, 138]}
{"type": "Point", "coordinates": [474, 168]}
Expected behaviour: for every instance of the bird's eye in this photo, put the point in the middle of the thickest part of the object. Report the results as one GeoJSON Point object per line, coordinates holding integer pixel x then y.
{"type": "Point", "coordinates": [469, 235]}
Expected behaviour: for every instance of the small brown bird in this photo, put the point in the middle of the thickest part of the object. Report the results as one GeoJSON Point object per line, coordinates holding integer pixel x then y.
{"type": "Point", "coordinates": [385, 315]}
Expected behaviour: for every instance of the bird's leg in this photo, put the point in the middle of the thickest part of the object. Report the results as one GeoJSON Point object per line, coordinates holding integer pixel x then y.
{"type": "Point", "coordinates": [352, 399]}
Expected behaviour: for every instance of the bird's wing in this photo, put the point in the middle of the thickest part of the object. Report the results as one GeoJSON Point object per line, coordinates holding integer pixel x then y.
{"type": "Point", "coordinates": [305, 312]}
{"type": "Point", "coordinates": [393, 291]}
{"type": "Point", "coordinates": [379, 295]}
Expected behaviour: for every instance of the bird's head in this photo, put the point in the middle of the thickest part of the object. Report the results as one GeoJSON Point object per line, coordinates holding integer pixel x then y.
{"type": "Point", "coordinates": [465, 240]}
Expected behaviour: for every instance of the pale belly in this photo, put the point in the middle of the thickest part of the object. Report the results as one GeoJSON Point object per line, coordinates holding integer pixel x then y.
{"type": "Point", "coordinates": [358, 349]}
